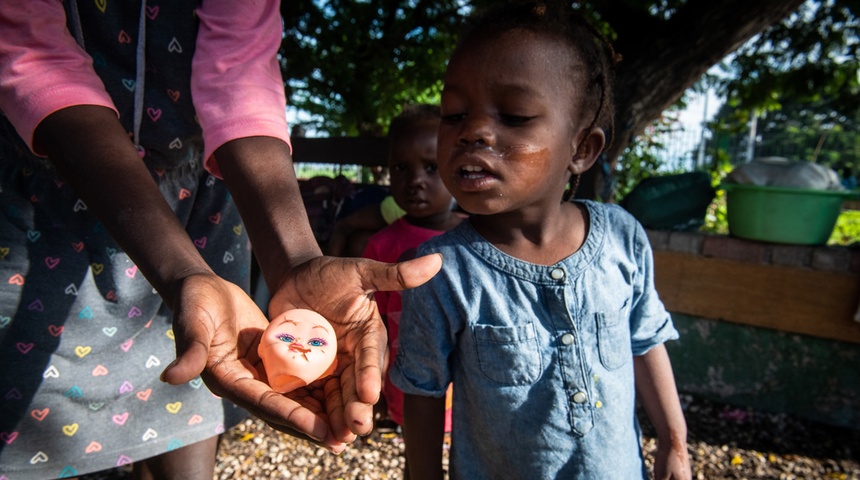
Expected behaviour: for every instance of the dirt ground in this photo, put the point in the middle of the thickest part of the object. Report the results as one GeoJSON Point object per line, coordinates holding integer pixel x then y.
{"type": "Point", "coordinates": [725, 442]}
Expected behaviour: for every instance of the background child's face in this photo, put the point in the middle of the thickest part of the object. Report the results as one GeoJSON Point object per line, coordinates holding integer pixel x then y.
{"type": "Point", "coordinates": [415, 182]}
{"type": "Point", "coordinates": [507, 136]}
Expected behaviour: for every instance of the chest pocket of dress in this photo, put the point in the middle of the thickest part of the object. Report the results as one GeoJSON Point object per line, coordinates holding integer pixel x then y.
{"type": "Point", "coordinates": [613, 338]}
{"type": "Point", "coordinates": [508, 355]}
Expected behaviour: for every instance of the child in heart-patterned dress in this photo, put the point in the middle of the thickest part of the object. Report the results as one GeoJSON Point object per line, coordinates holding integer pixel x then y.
{"type": "Point", "coordinates": [113, 117]}
{"type": "Point", "coordinates": [83, 335]}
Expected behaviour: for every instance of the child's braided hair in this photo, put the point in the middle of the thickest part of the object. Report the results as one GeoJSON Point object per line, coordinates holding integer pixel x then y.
{"type": "Point", "coordinates": [594, 69]}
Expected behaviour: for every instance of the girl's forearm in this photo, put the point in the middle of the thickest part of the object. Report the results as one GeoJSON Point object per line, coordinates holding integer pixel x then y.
{"type": "Point", "coordinates": [655, 384]}
{"type": "Point", "coordinates": [259, 173]}
{"type": "Point", "coordinates": [94, 155]}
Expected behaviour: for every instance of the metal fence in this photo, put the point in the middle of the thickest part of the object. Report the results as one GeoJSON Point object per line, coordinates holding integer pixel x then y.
{"type": "Point", "coordinates": [694, 149]}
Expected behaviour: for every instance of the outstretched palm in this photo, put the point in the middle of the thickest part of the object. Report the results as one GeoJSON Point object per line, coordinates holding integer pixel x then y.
{"type": "Point", "coordinates": [341, 289]}
{"type": "Point", "coordinates": [218, 328]}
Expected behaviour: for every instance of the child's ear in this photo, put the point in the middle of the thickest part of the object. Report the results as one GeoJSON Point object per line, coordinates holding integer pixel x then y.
{"type": "Point", "coordinates": [586, 151]}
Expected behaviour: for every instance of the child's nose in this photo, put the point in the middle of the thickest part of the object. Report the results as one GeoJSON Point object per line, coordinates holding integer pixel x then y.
{"type": "Point", "coordinates": [477, 129]}
{"type": "Point", "coordinates": [417, 177]}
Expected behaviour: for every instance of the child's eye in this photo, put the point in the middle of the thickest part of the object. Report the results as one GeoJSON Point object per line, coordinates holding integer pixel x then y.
{"type": "Point", "coordinates": [317, 342]}
{"type": "Point", "coordinates": [453, 118]}
{"type": "Point", "coordinates": [515, 120]}
{"type": "Point", "coordinates": [286, 337]}
{"type": "Point", "coordinates": [398, 167]}
{"type": "Point", "coordinates": [430, 168]}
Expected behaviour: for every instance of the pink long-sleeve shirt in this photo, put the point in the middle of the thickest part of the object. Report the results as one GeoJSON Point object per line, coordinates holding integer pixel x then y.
{"type": "Point", "coordinates": [236, 82]}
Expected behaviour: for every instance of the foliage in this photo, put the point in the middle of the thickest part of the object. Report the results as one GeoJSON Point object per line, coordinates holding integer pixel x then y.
{"type": "Point", "coordinates": [716, 217]}
{"type": "Point", "coordinates": [641, 159]}
{"type": "Point", "coordinates": [352, 65]}
{"type": "Point", "coordinates": [847, 229]}
{"type": "Point", "coordinates": [812, 57]}
{"type": "Point", "coordinates": [813, 131]}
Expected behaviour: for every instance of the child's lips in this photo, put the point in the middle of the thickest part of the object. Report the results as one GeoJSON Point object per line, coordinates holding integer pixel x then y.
{"type": "Point", "coordinates": [416, 200]}
{"type": "Point", "coordinates": [471, 167]}
{"type": "Point", "coordinates": [471, 177]}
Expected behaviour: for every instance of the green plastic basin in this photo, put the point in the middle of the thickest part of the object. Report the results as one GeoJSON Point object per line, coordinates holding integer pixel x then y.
{"type": "Point", "coordinates": [783, 215]}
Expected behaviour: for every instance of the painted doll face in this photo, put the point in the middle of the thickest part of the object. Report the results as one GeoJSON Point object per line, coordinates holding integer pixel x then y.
{"type": "Point", "coordinates": [297, 348]}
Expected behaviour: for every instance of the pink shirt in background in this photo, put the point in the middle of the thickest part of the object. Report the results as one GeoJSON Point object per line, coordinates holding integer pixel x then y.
{"type": "Point", "coordinates": [395, 243]}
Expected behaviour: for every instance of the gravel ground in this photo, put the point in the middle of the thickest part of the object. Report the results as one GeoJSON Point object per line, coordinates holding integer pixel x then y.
{"type": "Point", "coordinates": [725, 442]}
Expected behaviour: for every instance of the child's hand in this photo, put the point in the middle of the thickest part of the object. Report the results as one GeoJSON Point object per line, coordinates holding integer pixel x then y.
{"type": "Point", "coordinates": [217, 329]}
{"type": "Point", "coordinates": [341, 289]}
{"type": "Point", "coordinates": [671, 461]}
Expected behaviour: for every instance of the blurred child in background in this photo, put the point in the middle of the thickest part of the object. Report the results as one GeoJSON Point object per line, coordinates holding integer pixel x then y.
{"type": "Point", "coordinates": [418, 190]}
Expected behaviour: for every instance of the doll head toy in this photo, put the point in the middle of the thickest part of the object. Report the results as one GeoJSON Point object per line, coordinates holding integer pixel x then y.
{"type": "Point", "coordinates": [298, 347]}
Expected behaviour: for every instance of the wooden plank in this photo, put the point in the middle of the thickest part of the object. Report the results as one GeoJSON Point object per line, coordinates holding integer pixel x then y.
{"type": "Point", "coordinates": [365, 151]}
{"type": "Point", "coordinates": [795, 300]}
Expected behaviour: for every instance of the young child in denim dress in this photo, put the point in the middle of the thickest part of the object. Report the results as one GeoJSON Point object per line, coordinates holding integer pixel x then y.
{"type": "Point", "coordinates": [544, 315]}
{"type": "Point", "coordinates": [417, 188]}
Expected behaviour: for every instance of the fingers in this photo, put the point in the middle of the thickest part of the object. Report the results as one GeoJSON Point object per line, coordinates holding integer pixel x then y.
{"type": "Point", "coordinates": [403, 275]}
{"type": "Point", "coordinates": [303, 423]}
{"type": "Point", "coordinates": [334, 407]}
{"type": "Point", "coordinates": [287, 415]}
{"type": "Point", "coordinates": [279, 411]}
{"type": "Point", "coordinates": [369, 359]}
{"type": "Point", "coordinates": [358, 415]}
{"type": "Point", "coordinates": [418, 271]}
{"type": "Point", "coordinates": [189, 363]}
{"type": "Point", "coordinates": [192, 350]}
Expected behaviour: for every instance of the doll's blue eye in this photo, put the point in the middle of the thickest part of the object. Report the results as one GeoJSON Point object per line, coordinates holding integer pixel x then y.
{"type": "Point", "coordinates": [317, 342]}
{"type": "Point", "coordinates": [286, 337]}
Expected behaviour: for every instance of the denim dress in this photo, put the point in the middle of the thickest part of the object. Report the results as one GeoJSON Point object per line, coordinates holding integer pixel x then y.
{"type": "Point", "coordinates": [541, 357]}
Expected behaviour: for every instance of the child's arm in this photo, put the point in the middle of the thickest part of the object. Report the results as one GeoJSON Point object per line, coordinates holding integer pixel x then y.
{"type": "Point", "coordinates": [423, 432]}
{"type": "Point", "coordinates": [655, 385]}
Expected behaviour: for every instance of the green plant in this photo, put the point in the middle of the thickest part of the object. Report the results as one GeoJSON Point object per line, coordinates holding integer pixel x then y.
{"type": "Point", "coordinates": [716, 218]}
{"type": "Point", "coordinates": [642, 158]}
{"type": "Point", "coordinates": [847, 229]}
